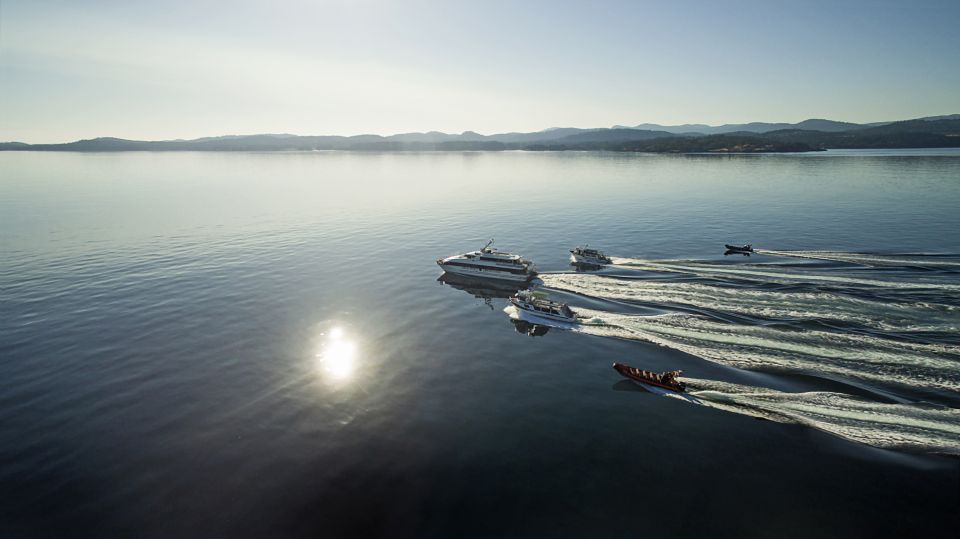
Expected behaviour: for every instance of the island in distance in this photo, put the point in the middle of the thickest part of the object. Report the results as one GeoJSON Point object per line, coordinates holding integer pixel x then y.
{"type": "Point", "coordinates": [805, 136]}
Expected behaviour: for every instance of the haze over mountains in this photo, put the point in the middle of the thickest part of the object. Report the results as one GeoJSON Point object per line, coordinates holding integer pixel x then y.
{"type": "Point", "coordinates": [808, 135]}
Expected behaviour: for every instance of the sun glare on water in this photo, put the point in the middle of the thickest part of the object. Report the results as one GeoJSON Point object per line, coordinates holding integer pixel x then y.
{"type": "Point", "coordinates": [337, 356]}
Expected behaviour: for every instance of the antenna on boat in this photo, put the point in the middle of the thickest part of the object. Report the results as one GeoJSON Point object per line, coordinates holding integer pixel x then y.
{"type": "Point", "coordinates": [489, 243]}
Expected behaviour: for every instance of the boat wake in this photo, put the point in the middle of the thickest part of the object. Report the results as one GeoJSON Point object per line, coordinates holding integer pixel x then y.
{"type": "Point", "coordinates": [920, 260]}
{"type": "Point", "coordinates": [809, 304]}
{"type": "Point", "coordinates": [759, 347]}
{"type": "Point", "coordinates": [919, 427]}
{"type": "Point", "coordinates": [779, 274]}
{"type": "Point", "coordinates": [886, 325]}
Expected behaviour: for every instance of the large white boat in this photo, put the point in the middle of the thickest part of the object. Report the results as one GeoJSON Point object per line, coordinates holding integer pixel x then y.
{"type": "Point", "coordinates": [532, 304]}
{"type": "Point", "coordinates": [586, 255]}
{"type": "Point", "coordinates": [489, 263]}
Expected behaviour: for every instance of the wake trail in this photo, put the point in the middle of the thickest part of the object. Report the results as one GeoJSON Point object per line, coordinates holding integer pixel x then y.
{"type": "Point", "coordinates": [816, 305]}
{"type": "Point", "coordinates": [873, 359]}
{"type": "Point", "coordinates": [701, 269]}
{"type": "Point", "coordinates": [917, 427]}
{"type": "Point", "coordinates": [872, 259]}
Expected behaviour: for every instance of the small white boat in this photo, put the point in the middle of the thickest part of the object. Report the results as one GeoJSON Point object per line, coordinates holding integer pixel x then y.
{"type": "Point", "coordinates": [489, 263]}
{"type": "Point", "coordinates": [586, 255]}
{"type": "Point", "coordinates": [532, 304]}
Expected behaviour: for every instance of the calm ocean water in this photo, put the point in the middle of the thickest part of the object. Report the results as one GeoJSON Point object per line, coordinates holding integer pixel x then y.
{"type": "Point", "coordinates": [246, 344]}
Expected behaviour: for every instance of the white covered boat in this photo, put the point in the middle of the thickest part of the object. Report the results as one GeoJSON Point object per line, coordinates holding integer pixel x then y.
{"type": "Point", "coordinates": [586, 255]}
{"type": "Point", "coordinates": [489, 263]}
{"type": "Point", "coordinates": [529, 303]}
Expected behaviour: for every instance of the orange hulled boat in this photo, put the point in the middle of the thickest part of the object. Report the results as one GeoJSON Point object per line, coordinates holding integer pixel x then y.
{"type": "Point", "coordinates": [667, 380]}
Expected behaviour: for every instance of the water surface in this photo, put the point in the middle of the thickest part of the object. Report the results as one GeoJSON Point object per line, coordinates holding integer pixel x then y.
{"type": "Point", "coordinates": [258, 344]}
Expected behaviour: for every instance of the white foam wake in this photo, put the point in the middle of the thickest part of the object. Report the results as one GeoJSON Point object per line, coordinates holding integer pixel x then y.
{"type": "Point", "coordinates": [919, 427]}
{"type": "Point", "coordinates": [867, 259]}
{"type": "Point", "coordinates": [755, 272]}
{"type": "Point", "coordinates": [909, 316]}
{"type": "Point", "coordinates": [873, 359]}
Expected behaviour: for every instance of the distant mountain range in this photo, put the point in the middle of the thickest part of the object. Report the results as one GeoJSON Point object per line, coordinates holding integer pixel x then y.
{"type": "Point", "coordinates": [808, 135]}
{"type": "Point", "coordinates": [813, 124]}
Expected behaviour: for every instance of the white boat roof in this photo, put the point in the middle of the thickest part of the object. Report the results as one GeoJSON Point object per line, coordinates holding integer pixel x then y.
{"type": "Point", "coordinates": [494, 252]}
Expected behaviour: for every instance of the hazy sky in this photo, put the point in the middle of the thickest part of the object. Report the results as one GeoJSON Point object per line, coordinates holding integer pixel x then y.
{"type": "Point", "coordinates": [184, 69]}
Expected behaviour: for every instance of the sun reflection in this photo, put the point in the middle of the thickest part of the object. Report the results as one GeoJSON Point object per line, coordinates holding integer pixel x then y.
{"type": "Point", "coordinates": [337, 356]}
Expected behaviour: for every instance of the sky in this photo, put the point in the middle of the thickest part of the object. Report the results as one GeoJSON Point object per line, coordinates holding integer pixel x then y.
{"type": "Point", "coordinates": [185, 69]}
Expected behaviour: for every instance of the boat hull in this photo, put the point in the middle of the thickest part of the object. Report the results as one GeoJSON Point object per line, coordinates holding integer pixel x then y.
{"type": "Point", "coordinates": [534, 316]}
{"type": "Point", "coordinates": [483, 273]}
{"type": "Point", "coordinates": [587, 260]}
